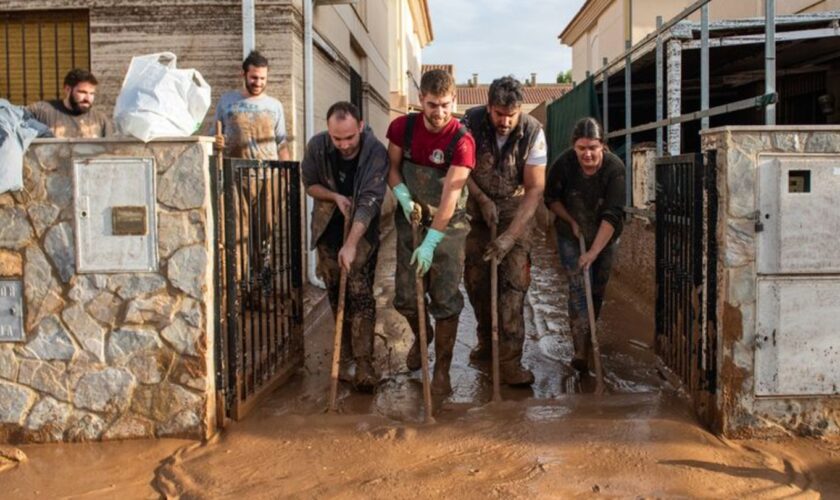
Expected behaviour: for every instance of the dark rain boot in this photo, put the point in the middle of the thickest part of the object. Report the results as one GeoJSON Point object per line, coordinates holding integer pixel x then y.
{"type": "Point", "coordinates": [412, 361]}
{"type": "Point", "coordinates": [483, 350]}
{"type": "Point", "coordinates": [581, 341]}
{"type": "Point", "coordinates": [365, 379]}
{"type": "Point", "coordinates": [445, 332]}
{"type": "Point", "coordinates": [515, 374]}
{"type": "Point", "coordinates": [345, 370]}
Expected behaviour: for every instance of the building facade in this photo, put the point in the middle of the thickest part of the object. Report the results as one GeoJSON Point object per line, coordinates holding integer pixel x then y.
{"type": "Point", "coordinates": [600, 27]}
{"type": "Point", "coordinates": [409, 31]}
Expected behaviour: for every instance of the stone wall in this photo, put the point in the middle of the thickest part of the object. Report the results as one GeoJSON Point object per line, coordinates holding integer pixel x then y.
{"type": "Point", "coordinates": [739, 412]}
{"type": "Point", "coordinates": [109, 356]}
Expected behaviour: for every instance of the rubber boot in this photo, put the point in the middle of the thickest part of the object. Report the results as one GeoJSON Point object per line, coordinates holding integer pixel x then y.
{"type": "Point", "coordinates": [412, 361]}
{"type": "Point", "coordinates": [446, 330]}
{"type": "Point", "coordinates": [581, 341]}
{"type": "Point", "coordinates": [483, 350]}
{"type": "Point", "coordinates": [365, 379]}
{"type": "Point", "coordinates": [515, 374]}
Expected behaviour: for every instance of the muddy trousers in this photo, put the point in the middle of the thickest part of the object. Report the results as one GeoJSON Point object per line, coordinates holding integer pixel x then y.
{"type": "Point", "coordinates": [514, 279]}
{"type": "Point", "coordinates": [569, 251]}
{"type": "Point", "coordinates": [256, 200]}
{"type": "Point", "coordinates": [443, 295]}
{"type": "Point", "coordinates": [360, 304]}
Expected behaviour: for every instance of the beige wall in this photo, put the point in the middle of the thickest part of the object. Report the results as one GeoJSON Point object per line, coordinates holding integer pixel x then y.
{"type": "Point", "coordinates": [605, 37]}
{"type": "Point", "coordinates": [405, 51]}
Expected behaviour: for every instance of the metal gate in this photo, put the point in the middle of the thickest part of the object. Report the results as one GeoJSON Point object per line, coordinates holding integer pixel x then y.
{"type": "Point", "coordinates": [259, 280]}
{"type": "Point", "coordinates": [686, 268]}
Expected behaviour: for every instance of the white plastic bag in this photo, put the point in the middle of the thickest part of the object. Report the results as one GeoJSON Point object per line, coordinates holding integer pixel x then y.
{"type": "Point", "coordinates": [159, 100]}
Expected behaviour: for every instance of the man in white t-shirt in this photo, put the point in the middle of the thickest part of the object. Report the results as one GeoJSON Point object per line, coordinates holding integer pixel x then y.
{"type": "Point", "coordinates": [506, 187]}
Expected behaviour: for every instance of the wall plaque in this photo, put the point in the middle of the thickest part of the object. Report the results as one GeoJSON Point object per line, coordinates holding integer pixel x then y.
{"type": "Point", "coordinates": [11, 311]}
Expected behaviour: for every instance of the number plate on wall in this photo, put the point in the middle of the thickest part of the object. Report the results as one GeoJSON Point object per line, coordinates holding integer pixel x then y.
{"type": "Point", "coordinates": [115, 215]}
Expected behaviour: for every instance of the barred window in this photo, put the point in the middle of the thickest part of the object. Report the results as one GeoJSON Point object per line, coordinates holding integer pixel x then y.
{"type": "Point", "coordinates": [37, 48]}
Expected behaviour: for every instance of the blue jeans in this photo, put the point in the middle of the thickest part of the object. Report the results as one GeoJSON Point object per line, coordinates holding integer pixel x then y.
{"type": "Point", "coordinates": [599, 273]}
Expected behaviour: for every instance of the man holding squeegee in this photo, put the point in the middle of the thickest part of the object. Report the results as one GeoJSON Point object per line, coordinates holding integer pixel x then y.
{"type": "Point", "coordinates": [344, 170]}
{"type": "Point", "coordinates": [506, 187]}
{"type": "Point", "coordinates": [431, 155]}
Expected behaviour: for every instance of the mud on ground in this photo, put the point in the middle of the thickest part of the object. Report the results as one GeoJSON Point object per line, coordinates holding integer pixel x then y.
{"type": "Point", "coordinates": [556, 440]}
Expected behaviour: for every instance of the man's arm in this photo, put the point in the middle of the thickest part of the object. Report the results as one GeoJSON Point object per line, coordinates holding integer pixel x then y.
{"type": "Point", "coordinates": [319, 192]}
{"type": "Point", "coordinates": [394, 159]}
{"type": "Point", "coordinates": [534, 184]}
{"type": "Point", "coordinates": [456, 178]}
{"type": "Point", "coordinates": [347, 254]}
{"type": "Point", "coordinates": [488, 208]}
{"type": "Point", "coordinates": [283, 153]}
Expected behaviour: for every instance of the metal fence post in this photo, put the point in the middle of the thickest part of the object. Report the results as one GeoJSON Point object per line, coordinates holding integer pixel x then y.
{"type": "Point", "coordinates": [770, 59]}
{"type": "Point", "coordinates": [606, 117]}
{"type": "Point", "coordinates": [660, 90]}
{"type": "Point", "coordinates": [704, 64]}
{"type": "Point", "coordinates": [628, 105]}
{"type": "Point", "coordinates": [674, 48]}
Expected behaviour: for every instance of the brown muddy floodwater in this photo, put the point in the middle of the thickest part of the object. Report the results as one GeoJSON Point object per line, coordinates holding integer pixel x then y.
{"type": "Point", "coordinates": [555, 440]}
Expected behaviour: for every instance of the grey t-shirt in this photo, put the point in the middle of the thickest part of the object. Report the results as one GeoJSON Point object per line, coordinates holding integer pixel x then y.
{"type": "Point", "coordinates": [253, 126]}
{"type": "Point", "coordinates": [64, 123]}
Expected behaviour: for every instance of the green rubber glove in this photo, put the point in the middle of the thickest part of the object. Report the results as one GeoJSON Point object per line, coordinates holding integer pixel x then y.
{"type": "Point", "coordinates": [424, 253]}
{"type": "Point", "coordinates": [404, 197]}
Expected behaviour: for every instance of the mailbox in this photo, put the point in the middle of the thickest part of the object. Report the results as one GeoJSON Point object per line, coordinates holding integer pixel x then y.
{"type": "Point", "coordinates": [115, 215]}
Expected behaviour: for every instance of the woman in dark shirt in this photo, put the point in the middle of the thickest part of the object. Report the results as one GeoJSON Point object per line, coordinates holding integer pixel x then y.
{"type": "Point", "coordinates": [585, 189]}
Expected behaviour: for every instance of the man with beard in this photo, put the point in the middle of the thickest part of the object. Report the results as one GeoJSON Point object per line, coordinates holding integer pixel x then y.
{"type": "Point", "coordinates": [253, 127]}
{"type": "Point", "coordinates": [253, 123]}
{"type": "Point", "coordinates": [344, 170]}
{"type": "Point", "coordinates": [505, 188]}
{"type": "Point", "coordinates": [431, 155]}
{"type": "Point", "coordinates": [73, 116]}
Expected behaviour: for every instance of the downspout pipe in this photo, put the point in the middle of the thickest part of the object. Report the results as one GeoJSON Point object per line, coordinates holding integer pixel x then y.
{"type": "Point", "coordinates": [248, 29]}
{"type": "Point", "coordinates": [309, 128]}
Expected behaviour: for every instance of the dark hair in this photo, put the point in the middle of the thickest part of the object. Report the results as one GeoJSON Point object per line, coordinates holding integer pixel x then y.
{"type": "Point", "coordinates": [505, 92]}
{"type": "Point", "coordinates": [79, 75]}
{"type": "Point", "coordinates": [343, 108]}
{"type": "Point", "coordinates": [254, 59]}
{"type": "Point", "coordinates": [588, 128]}
{"type": "Point", "coordinates": [437, 82]}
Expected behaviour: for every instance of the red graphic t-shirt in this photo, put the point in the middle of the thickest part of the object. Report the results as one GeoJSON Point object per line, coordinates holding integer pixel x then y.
{"type": "Point", "coordinates": [427, 149]}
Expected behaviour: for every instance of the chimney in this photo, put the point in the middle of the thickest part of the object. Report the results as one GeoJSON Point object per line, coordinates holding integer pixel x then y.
{"type": "Point", "coordinates": [475, 80]}
{"type": "Point", "coordinates": [533, 79]}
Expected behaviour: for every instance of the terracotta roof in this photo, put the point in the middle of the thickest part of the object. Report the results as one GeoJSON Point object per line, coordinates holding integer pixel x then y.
{"type": "Point", "coordinates": [449, 68]}
{"type": "Point", "coordinates": [473, 96]}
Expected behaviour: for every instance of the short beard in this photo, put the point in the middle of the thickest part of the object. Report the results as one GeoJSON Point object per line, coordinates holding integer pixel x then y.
{"type": "Point", "coordinates": [74, 106]}
{"type": "Point", "coordinates": [250, 89]}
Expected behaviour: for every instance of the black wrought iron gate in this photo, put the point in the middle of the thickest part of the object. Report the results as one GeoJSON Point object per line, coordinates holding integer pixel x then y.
{"type": "Point", "coordinates": [259, 279]}
{"type": "Point", "coordinates": [686, 268]}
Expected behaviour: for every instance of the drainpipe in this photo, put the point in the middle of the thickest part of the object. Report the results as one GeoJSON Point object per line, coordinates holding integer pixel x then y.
{"type": "Point", "coordinates": [309, 129]}
{"type": "Point", "coordinates": [248, 30]}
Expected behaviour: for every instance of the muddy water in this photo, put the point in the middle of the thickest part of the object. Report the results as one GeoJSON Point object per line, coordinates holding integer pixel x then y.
{"type": "Point", "coordinates": [555, 440]}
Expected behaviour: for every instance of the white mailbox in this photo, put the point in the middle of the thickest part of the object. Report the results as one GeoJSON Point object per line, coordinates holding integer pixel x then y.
{"type": "Point", "coordinates": [115, 215]}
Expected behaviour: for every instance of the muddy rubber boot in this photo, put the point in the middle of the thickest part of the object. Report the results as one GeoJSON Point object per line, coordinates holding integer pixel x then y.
{"type": "Point", "coordinates": [581, 341]}
{"type": "Point", "coordinates": [446, 330]}
{"type": "Point", "coordinates": [365, 379]}
{"type": "Point", "coordinates": [515, 374]}
{"type": "Point", "coordinates": [345, 370]}
{"type": "Point", "coordinates": [483, 350]}
{"type": "Point", "coordinates": [412, 361]}
{"type": "Point", "coordinates": [362, 334]}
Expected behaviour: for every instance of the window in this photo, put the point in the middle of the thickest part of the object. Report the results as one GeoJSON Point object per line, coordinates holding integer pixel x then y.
{"type": "Point", "coordinates": [37, 48]}
{"type": "Point", "coordinates": [356, 94]}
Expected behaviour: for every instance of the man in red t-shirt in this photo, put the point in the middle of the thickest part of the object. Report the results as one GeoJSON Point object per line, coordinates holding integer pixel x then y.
{"type": "Point", "coordinates": [431, 155]}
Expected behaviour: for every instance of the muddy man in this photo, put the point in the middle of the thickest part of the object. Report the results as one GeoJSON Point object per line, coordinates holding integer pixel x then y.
{"type": "Point", "coordinates": [431, 155]}
{"type": "Point", "coordinates": [585, 189]}
{"type": "Point", "coordinates": [344, 170]}
{"type": "Point", "coordinates": [505, 189]}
